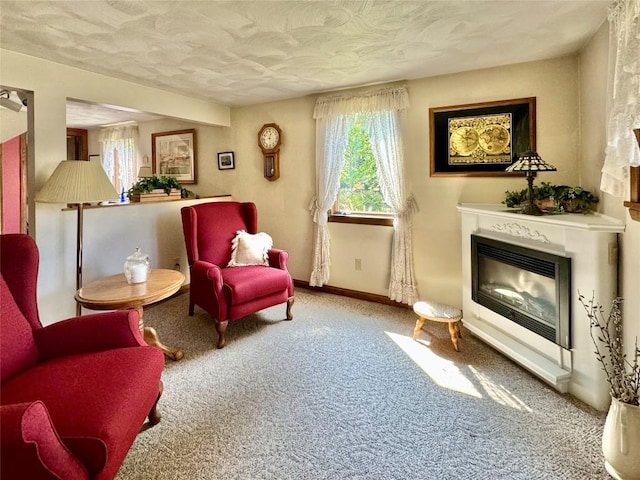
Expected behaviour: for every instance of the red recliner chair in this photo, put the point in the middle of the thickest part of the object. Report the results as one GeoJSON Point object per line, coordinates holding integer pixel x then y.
{"type": "Point", "coordinates": [230, 293]}
{"type": "Point", "coordinates": [74, 394]}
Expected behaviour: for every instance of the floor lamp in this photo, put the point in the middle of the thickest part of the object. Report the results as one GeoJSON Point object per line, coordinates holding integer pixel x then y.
{"type": "Point", "coordinates": [77, 182]}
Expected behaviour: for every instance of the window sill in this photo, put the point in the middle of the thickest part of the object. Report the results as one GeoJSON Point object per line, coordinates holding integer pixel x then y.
{"type": "Point", "coordinates": [386, 221]}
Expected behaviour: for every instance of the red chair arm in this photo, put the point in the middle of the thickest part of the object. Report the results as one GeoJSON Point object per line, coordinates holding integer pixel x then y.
{"type": "Point", "coordinates": [205, 271]}
{"type": "Point", "coordinates": [278, 258]}
{"type": "Point", "coordinates": [31, 447]}
{"type": "Point", "coordinates": [91, 333]}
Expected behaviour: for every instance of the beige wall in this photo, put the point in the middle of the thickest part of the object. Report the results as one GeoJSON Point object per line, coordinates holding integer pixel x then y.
{"type": "Point", "coordinates": [570, 95]}
{"type": "Point", "coordinates": [52, 84]}
{"type": "Point", "coordinates": [593, 122]}
{"type": "Point", "coordinates": [283, 204]}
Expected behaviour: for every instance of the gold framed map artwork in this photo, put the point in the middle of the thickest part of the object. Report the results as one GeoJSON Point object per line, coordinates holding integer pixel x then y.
{"type": "Point", "coordinates": [480, 139]}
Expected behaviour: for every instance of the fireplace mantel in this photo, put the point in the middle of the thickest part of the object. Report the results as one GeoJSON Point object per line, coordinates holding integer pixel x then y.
{"type": "Point", "coordinates": [591, 243]}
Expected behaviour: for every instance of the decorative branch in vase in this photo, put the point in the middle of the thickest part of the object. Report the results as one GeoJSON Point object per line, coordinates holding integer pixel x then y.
{"type": "Point", "coordinates": [621, 434]}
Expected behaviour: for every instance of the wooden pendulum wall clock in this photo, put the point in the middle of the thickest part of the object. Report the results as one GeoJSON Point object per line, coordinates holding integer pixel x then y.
{"type": "Point", "coordinates": [269, 141]}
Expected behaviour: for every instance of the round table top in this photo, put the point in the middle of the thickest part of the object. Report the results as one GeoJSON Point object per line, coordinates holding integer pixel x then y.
{"type": "Point", "coordinates": [113, 293]}
{"type": "Point", "coordinates": [438, 312]}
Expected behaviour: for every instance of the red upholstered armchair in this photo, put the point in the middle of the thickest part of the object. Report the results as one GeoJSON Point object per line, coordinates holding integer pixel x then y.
{"type": "Point", "coordinates": [230, 293]}
{"type": "Point", "coordinates": [74, 394]}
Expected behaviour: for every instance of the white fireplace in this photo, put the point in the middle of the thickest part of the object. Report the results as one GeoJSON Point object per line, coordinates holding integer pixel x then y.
{"type": "Point", "coordinates": [591, 244]}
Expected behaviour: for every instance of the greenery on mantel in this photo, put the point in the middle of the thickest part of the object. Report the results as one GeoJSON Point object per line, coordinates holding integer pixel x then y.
{"type": "Point", "coordinates": [146, 185]}
{"type": "Point", "coordinates": [555, 198]}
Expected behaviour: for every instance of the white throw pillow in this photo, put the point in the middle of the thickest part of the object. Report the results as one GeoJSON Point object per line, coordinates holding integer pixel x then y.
{"type": "Point", "coordinates": [248, 249]}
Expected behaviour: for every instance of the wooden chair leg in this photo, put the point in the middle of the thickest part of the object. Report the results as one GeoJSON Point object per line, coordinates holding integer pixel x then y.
{"type": "Point", "coordinates": [154, 416]}
{"type": "Point", "coordinates": [191, 309]}
{"type": "Point", "coordinates": [289, 305]}
{"type": "Point", "coordinates": [419, 325]}
{"type": "Point", "coordinates": [221, 328]}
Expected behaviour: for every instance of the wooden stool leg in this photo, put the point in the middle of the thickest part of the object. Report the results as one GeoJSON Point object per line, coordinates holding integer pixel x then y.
{"type": "Point", "coordinates": [453, 331]}
{"type": "Point", "coordinates": [419, 325]}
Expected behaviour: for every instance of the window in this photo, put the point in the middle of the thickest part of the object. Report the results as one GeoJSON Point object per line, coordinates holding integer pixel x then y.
{"type": "Point", "coordinates": [119, 155]}
{"type": "Point", "coordinates": [360, 191]}
{"type": "Point", "coordinates": [360, 167]}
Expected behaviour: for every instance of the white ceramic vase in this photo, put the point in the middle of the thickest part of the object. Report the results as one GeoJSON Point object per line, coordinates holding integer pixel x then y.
{"type": "Point", "coordinates": [621, 441]}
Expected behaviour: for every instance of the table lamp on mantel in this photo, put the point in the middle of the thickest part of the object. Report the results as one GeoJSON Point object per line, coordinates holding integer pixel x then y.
{"type": "Point", "coordinates": [145, 172]}
{"type": "Point", "coordinates": [77, 182]}
{"type": "Point", "coordinates": [530, 164]}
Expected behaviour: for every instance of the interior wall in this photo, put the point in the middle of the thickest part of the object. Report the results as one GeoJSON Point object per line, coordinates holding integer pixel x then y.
{"type": "Point", "coordinates": [210, 141]}
{"type": "Point", "coordinates": [52, 84]}
{"type": "Point", "coordinates": [11, 186]}
{"type": "Point", "coordinates": [12, 123]}
{"type": "Point", "coordinates": [594, 60]}
{"type": "Point", "coordinates": [283, 205]}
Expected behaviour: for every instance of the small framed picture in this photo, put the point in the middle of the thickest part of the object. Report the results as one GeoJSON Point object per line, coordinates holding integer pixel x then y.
{"type": "Point", "coordinates": [226, 161]}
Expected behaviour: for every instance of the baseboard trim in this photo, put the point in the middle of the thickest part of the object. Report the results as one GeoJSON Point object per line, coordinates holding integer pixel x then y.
{"type": "Point", "coordinates": [345, 292]}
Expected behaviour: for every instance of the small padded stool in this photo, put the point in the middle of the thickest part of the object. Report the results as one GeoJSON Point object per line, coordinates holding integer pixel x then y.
{"type": "Point", "coordinates": [438, 312]}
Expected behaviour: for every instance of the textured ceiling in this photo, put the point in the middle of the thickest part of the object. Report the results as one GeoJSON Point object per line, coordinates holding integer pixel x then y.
{"type": "Point", "coordinates": [247, 52]}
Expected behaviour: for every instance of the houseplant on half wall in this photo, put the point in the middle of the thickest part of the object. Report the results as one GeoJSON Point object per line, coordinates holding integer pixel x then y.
{"type": "Point", "coordinates": [621, 435]}
{"type": "Point", "coordinates": [167, 184]}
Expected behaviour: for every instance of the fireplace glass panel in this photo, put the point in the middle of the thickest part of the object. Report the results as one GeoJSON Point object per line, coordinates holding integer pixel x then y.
{"type": "Point", "coordinates": [529, 287]}
{"type": "Point", "coordinates": [527, 291]}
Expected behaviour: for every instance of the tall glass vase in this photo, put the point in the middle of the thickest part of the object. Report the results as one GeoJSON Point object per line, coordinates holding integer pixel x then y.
{"type": "Point", "coordinates": [621, 441]}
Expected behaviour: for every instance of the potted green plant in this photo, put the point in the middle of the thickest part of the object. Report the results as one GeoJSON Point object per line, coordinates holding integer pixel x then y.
{"type": "Point", "coordinates": [555, 198]}
{"type": "Point", "coordinates": [543, 197]}
{"type": "Point", "coordinates": [515, 198]}
{"type": "Point", "coordinates": [575, 199]}
{"type": "Point", "coordinates": [621, 434]}
{"type": "Point", "coordinates": [166, 184]}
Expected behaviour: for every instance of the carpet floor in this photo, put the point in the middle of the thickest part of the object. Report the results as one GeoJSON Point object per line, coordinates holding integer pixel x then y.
{"type": "Point", "coordinates": [342, 392]}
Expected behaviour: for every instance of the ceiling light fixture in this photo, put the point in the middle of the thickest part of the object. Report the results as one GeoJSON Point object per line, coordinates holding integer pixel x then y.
{"type": "Point", "coordinates": [6, 101]}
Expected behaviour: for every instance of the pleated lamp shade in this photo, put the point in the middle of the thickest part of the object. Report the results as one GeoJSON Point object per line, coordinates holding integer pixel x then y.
{"type": "Point", "coordinates": [76, 181]}
{"type": "Point", "coordinates": [145, 172]}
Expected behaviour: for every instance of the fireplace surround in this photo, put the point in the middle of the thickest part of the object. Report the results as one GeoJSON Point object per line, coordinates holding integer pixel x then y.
{"type": "Point", "coordinates": [581, 247]}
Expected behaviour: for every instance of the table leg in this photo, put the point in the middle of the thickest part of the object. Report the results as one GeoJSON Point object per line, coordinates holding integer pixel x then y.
{"type": "Point", "coordinates": [151, 337]}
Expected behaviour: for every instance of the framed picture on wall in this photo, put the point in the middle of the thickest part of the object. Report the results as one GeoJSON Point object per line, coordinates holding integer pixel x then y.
{"type": "Point", "coordinates": [226, 161]}
{"type": "Point", "coordinates": [175, 154]}
{"type": "Point", "coordinates": [480, 139]}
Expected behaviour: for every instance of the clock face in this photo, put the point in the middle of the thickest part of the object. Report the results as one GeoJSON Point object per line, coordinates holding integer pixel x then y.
{"type": "Point", "coordinates": [269, 138]}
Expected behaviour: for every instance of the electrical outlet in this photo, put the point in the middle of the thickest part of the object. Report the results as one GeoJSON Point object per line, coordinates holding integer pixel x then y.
{"type": "Point", "coordinates": [358, 264]}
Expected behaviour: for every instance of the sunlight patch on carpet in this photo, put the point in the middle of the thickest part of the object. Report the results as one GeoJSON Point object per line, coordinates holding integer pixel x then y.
{"type": "Point", "coordinates": [443, 372]}
{"type": "Point", "coordinates": [499, 393]}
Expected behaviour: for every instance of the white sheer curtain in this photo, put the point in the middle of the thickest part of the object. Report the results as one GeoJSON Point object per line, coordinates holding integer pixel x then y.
{"type": "Point", "coordinates": [384, 130]}
{"type": "Point", "coordinates": [624, 94]}
{"type": "Point", "coordinates": [331, 140]}
{"type": "Point", "coordinates": [382, 113]}
{"type": "Point", "coordinates": [119, 155]}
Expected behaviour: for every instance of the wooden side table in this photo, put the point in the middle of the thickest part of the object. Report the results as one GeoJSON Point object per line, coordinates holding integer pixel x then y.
{"type": "Point", "coordinates": [114, 293]}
